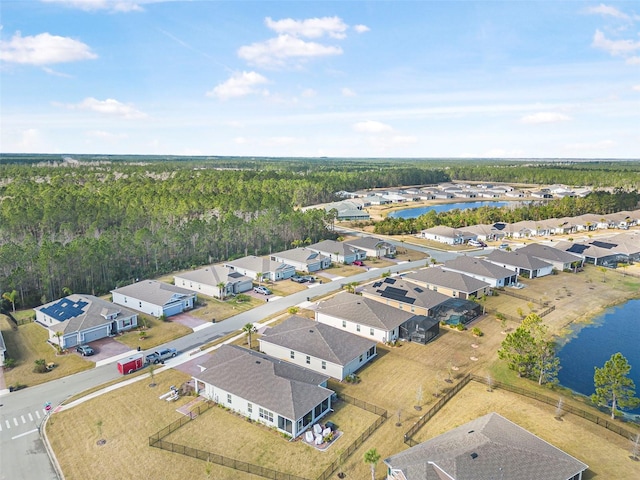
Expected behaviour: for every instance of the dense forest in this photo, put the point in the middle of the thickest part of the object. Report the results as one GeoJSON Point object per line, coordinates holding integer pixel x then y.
{"type": "Point", "coordinates": [92, 223]}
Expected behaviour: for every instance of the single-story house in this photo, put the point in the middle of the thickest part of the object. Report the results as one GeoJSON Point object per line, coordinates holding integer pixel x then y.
{"type": "Point", "coordinates": [339, 252]}
{"type": "Point", "coordinates": [452, 284]}
{"type": "Point", "coordinates": [79, 319]}
{"type": "Point", "coordinates": [596, 252]}
{"type": "Point", "coordinates": [524, 265]}
{"type": "Point", "coordinates": [325, 349]}
{"type": "Point", "coordinates": [303, 259]}
{"type": "Point", "coordinates": [485, 448]}
{"type": "Point", "coordinates": [373, 247]}
{"type": "Point", "coordinates": [560, 259]}
{"type": "Point", "coordinates": [487, 232]}
{"type": "Point", "coordinates": [494, 275]}
{"type": "Point", "coordinates": [154, 298]}
{"type": "Point", "coordinates": [404, 295]}
{"type": "Point", "coordinates": [348, 210]}
{"type": "Point", "coordinates": [269, 269]}
{"type": "Point", "coordinates": [371, 319]}
{"type": "Point", "coordinates": [214, 281]}
{"type": "Point", "coordinates": [448, 235]}
{"type": "Point", "coordinates": [265, 389]}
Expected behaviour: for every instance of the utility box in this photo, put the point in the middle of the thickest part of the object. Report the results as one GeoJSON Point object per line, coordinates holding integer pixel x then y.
{"type": "Point", "coordinates": [131, 364]}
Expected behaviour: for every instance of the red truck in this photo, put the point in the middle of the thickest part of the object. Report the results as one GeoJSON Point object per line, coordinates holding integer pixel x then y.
{"type": "Point", "coordinates": [131, 364]}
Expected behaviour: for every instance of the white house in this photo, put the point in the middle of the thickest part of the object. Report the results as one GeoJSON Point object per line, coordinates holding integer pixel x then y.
{"type": "Point", "coordinates": [488, 272]}
{"type": "Point", "coordinates": [214, 281]}
{"type": "Point", "coordinates": [524, 265]}
{"type": "Point", "coordinates": [303, 259]}
{"type": "Point", "coordinates": [373, 247]}
{"type": "Point", "coordinates": [82, 319]}
{"type": "Point", "coordinates": [448, 235]}
{"type": "Point", "coordinates": [277, 393]}
{"type": "Point", "coordinates": [339, 252]}
{"type": "Point", "coordinates": [154, 298]}
{"type": "Point", "coordinates": [266, 268]}
{"type": "Point", "coordinates": [317, 346]}
{"type": "Point", "coordinates": [560, 259]}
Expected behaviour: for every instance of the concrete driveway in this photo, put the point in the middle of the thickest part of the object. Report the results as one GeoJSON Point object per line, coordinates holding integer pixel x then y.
{"type": "Point", "coordinates": [187, 320]}
{"type": "Point", "coordinates": [106, 348]}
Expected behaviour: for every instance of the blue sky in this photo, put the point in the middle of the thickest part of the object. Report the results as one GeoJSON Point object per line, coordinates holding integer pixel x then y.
{"type": "Point", "coordinates": [517, 79]}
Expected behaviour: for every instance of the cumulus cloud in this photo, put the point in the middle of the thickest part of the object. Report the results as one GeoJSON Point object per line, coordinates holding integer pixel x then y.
{"type": "Point", "coordinates": [607, 10]}
{"type": "Point", "coordinates": [371, 126]}
{"type": "Point", "coordinates": [276, 52]}
{"type": "Point", "coordinates": [109, 107]}
{"type": "Point", "coordinates": [111, 5]}
{"type": "Point", "coordinates": [309, 93]}
{"type": "Point", "coordinates": [44, 49]}
{"type": "Point", "coordinates": [333, 27]}
{"type": "Point", "coordinates": [545, 117]}
{"type": "Point", "coordinates": [633, 61]}
{"type": "Point", "coordinates": [240, 84]}
{"type": "Point", "coordinates": [347, 92]}
{"type": "Point", "coordinates": [636, 88]}
{"type": "Point", "coordinates": [361, 28]}
{"type": "Point", "coordinates": [616, 48]}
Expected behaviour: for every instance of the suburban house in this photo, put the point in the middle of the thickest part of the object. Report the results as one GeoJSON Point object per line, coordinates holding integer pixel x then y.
{"type": "Point", "coordinates": [154, 298]}
{"type": "Point", "coordinates": [373, 247]}
{"type": "Point", "coordinates": [494, 275]}
{"type": "Point", "coordinates": [339, 252]}
{"type": "Point", "coordinates": [265, 389]}
{"type": "Point", "coordinates": [560, 259]}
{"type": "Point", "coordinates": [452, 284]}
{"type": "Point", "coordinates": [489, 447]}
{"type": "Point", "coordinates": [348, 210]}
{"type": "Point", "coordinates": [448, 235]}
{"type": "Point", "coordinates": [374, 320]}
{"type": "Point", "coordinates": [524, 265]}
{"type": "Point", "coordinates": [404, 295]}
{"type": "Point", "coordinates": [3, 350]}
{"type": "Point", "coordinates": [303, 259]}
{"type": "Point", "coordinates": [214, 281]}
{"type": "Point", "coordinates": [317, 346]}
{"type": "Point", "coordinates": [486, 232]}
{"type": "Point", "coordinates": [78, 319]}
{"type": "Point", "coordinates": [266, 268]}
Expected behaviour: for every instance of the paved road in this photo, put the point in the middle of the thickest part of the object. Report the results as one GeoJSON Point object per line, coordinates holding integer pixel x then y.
{"type": "Point", "coordinates": [22, 453]}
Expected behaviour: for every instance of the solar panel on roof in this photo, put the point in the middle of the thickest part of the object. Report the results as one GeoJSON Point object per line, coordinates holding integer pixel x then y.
{"type": "Point", "coordinates": [606, 245]}
{"type": "Point", "coordinates": [418, 289]}
{"type": "Point", "coordinates": [390, 280]}
{"type": "Point", "coordinates": [63, 310]}
{"type": "Point", "coordinates": [377, 284]}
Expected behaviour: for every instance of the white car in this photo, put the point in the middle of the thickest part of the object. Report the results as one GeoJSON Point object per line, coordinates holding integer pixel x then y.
{"type": "Point", "coordinates": [262, 290]}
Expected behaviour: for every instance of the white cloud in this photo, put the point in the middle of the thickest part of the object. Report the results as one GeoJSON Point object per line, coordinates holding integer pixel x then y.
{"type": "Point", "coordinates": [601, 145]}
{"type": "Point", "coordinates": [112, 5]}
{"type": "Point", "coordinates": [361, 28]}
{"type": "Point", "coordinates": [55, 73]}
{"type": "Point", "coordinates": [607, 10]}
{"type": "Point", "coordinates": [29, 139]}
{"type": "Point", "coordinates": [633, 61]}
{"type": "Point", "coordinates": [276, 52]}
{"type": "Point", "coordinates": [617, 48]}
{"type": "Point", "coordinates": [109, 107]}
{"type": "Point", "coordinates": [371, 126]}
{"type": "Point", "coordinates": [545, 117]}
{"type": "Point", "coordinates": [636, 88]}
{"type": "Point", "coordinates": [239, 85]}
{"type": "Point", "coordinates": [333, 27]}
{"type": "Point", "coordinates": [44, 49]}
{"type": "Point", "coordinates": [347, 92]}
{"type": "Point", "coordinates": [240, 141]}
{"type": "Point", "coordinates": [309, 93]}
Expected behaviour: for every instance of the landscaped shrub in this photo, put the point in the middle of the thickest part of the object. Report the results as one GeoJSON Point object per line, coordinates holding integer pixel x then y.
{"type": "Point", "coordinates": [476, 332]}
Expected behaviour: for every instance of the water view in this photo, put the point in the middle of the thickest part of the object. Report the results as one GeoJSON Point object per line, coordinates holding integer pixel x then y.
{"type": "Point", "coordinates": [616, 330]}
{"type": "Point", "coordinates": [416, 212]}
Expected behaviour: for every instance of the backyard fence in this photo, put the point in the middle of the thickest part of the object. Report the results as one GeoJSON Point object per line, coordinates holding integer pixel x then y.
{"type": "Point", "coordinates": [522, 297]}
{"type": "Point", "coordinates": [598, 420]}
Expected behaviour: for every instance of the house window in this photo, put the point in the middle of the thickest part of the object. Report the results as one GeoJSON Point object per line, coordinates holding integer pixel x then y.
{"type": "Point", "coordinates": [228, 398]}
{"type": "Point", "coordinates": [435, 289]}
{"type": "Point", "coordinates": [265, 414]}
{"type": "Point", "coordinates": [344, 324]}
{"type": "Point", "coordinates": [371, 331]}
{"type": "Point", "coordinates": [357, 328]}
{"type": "Point", "coordinates": [249, 408]}
{"type": "Point", "coordinates": [361, 358]}
{"type": "Point", "coordinates": [308, 360]}
{"type": "Point", "coordinates": [126, 322]}
{"type": "Point", "coordinates": [454, 294]}
{"type": "Point", "coordinates": [292, 354]}
{"type": "Point", "coordinates": [125, 299]}
{"type": "Point", "coordinates": [324, 365]}
{"type": "Point", "coordinates": [371, 352]}
{"type": "Point", "coordinates": [140, 304]}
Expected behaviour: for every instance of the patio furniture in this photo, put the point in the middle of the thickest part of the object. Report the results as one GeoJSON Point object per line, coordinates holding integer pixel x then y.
{"type": "Point", "coordinates": [318, 440]}
{"type": "Point", "coordinates": [326, 432]}
{"type": "Point", "coordinates": [317, 429]}
{"type": "Point", "coordinates": [308, 436]}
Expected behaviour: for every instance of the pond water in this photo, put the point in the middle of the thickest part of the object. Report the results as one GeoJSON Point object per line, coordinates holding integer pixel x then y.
{"type": "Point", "coordinates": [416, 212]}
{"type": "Point", "coordinates": [589, 346]}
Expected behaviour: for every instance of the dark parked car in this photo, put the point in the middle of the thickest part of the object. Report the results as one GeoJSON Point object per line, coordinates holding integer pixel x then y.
{"type": "Point", "coordinates": [298, 279]}
{"type": "Point", "coordinates": [85, 350]}
{"type": "Point", "coordinates": [359, 263]}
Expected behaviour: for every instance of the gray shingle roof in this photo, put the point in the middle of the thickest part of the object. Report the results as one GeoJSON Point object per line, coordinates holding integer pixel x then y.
{"type": "Point", "coordinates": [364, 311]}
{"type": "Point", "coordinates": [318, 340]}
{"type": "Point", "coordinates": [213, 275]}
{"type": "Point", "coordinates": [546, 252]}
{"type": "Point", "coordinates": [153, 291]}
{"type": "Point", "coordinates": [277, 385]}
{"type": "Point", "coordinates": [517, 259]}
{"type": "Point", "coordinates": [367, 242]}
{"type": "Point", "coordinates": [487, 448]}
{"type": "Point", "coordinates": [258, 264]}
{"type": "Point", "coordinates": [301, 255]}
{"type": "Point", "coordinates": [332, 247]}
{"type": "Point", "coordinates": [476, 266]}
{"type": "Point", "coordinates": [405, 292]}
{"type": "Point", "coordinates": [445, 278]}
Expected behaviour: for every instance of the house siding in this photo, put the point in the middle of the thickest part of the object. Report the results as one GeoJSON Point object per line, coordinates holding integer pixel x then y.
{"type": "Point", "coordinates": [379, 335]}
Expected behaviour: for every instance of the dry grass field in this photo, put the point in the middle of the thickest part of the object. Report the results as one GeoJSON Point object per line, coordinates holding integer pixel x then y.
{"type": "Point", "coordinates": [158, 333]}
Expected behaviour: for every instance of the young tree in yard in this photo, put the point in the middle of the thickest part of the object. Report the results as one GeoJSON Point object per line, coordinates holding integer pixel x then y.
{"type": "Point", "coordinates": [59, 335]}
{"type": "Point", "coordinates": [517, 350]}
{"type": "Point", "coordinates": [249, 329]}
{"type": "Point", "coordinates": [613, 388]}
{"type": "Point", "coordinates": [11, 297]}
{"type": "Point", "coordinates": [372, 457]}
{"type": "Point", "coordinates": [221, 286]}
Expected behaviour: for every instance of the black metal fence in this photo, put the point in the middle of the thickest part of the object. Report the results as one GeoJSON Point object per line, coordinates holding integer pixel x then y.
{"type": "Point", "coordinates": [522, 297]}
{"type": "Point", "coordinates": [598, 420]}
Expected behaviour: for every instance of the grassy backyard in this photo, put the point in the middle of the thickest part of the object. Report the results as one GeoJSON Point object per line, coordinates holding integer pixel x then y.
{"type": "Point", "coordinates": [157, 332]}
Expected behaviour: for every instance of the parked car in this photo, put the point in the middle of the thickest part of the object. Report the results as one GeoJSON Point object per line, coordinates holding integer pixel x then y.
{"type": "Point", "coordinates": [503, 246]}
{"type": "Point", "coordinates": [161, 355]}
{"type": "Point", "coordinates": [309, 278]}
{"type": "Point", "coordinates": [359, 263]}
{"type": "Point", "coordinates": [85, 350]}
{"type": "Point", "coordinates": [475, 243]}
{"type": "Point", "coordinates": [262, 290]}
{"type": "Point", "coordinates": [298, 279]}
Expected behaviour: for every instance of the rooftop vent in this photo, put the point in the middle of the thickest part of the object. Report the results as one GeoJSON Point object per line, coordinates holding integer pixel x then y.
{"type": "Point", "coordinates": [258, 362]}
{"type": "Point", "coordinates": [474, 455]}
{"type": "Point", "coordinates": [471, 431]}
{"type": "Point", "coordinates": [310, 331]}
